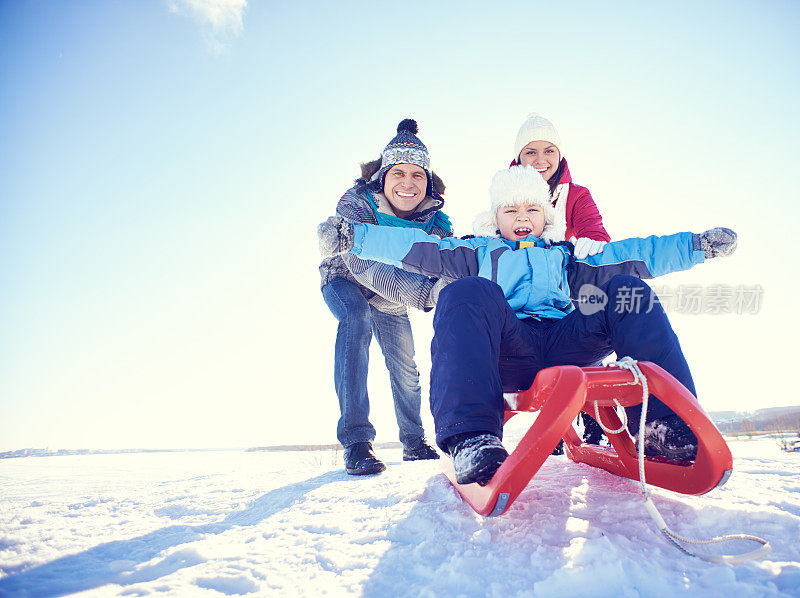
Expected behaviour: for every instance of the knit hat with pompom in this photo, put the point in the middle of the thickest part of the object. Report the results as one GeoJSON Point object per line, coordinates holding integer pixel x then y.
{"type": "Point", "coordinates": [405, 148]}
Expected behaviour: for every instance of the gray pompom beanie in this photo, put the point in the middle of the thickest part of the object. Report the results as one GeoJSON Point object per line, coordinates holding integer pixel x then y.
{"type": "Point", "coordinates": [405, 148]}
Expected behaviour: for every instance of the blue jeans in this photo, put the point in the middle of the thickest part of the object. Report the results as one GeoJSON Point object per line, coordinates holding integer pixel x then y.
{"type": "Point", "coordinates": [358, 321]}
{"type": "Point", "coordinates": [481, 349]}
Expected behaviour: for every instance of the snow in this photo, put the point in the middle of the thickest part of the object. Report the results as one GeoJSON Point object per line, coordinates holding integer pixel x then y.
{"type": "Point", "coordinates": [294, 524]}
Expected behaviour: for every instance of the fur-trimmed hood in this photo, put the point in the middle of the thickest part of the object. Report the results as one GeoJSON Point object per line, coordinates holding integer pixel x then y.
{"type": "Point", "coordinates": [520, 184]}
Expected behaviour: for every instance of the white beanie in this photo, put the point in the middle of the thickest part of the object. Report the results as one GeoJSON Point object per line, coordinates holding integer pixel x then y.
{"type": "Point", "coordinates": [519, 184]}
{"type": "Point", "coordinates": [536, 128]}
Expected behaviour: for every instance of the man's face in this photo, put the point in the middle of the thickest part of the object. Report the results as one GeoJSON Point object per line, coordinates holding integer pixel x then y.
{"type": "Point", "coordinates": [404, 186]}
{"type": "Point", "coordinates": [520, 220]}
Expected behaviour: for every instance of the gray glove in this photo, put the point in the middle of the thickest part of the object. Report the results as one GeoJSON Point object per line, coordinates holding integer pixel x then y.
{"type": "Point", "coordinates": [437, 287]}
{"type": "Point", "coordinates": [718, 242]}
{"type": "Point", "coordinates": [335, 236]}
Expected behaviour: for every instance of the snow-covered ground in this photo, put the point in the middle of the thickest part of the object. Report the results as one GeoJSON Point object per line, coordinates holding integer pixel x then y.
{"type": "Point", "coordinates": [293, 523]}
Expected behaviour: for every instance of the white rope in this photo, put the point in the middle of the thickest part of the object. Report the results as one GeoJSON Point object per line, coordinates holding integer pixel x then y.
{"type": "Point", "coordinates": [631, 365]}
{"type": "Point", "coordinates": [624, 419]}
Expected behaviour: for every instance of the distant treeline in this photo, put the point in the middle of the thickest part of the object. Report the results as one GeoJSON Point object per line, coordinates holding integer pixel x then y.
{"type": "Point", "coordinates": [783, 420]}
{"type": "Point", "coordinates": [319, 447]}
{"type": "Point", "coordinates": [31, 452]}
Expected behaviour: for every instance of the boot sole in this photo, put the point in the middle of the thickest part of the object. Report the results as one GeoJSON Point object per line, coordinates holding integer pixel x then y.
{"type": "Point", "coordinates": [413, 458]}
{"type": "Point", "coordinates": [370, 469]}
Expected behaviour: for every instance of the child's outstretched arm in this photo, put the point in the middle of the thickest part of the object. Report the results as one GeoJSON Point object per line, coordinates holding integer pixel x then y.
{"type": "Point", "coordinates": [408, 248]}
{"type": "Point", "coordinates": [652, 256]}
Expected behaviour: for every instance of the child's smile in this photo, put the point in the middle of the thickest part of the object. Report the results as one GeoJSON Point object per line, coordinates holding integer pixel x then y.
{"type": "Point", "coordinates": [522, 231]}
{"type": "Point", "coordinates": [520, 220]}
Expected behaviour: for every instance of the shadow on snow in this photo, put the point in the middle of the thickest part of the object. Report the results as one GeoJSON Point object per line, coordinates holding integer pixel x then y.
{"type": "Point", "coordinates": [111, 563]}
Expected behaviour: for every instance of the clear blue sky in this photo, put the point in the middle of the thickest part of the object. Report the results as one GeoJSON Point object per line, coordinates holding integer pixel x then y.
{"type": "Point", "coordinates": [163, 167]}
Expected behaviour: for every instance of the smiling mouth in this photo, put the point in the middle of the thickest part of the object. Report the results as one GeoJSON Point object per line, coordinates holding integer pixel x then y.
{"type": "Point", "coordinates": [408, 195]}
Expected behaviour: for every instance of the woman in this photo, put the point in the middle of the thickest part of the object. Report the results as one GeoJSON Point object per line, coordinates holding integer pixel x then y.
{"type": "Point", "coordinates": [539, 145]}
{"type": "Point", "coordinates": [366, 297]}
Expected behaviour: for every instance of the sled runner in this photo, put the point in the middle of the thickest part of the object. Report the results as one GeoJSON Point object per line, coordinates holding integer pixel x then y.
{"type": "Point", "coordinates": [559, 394]}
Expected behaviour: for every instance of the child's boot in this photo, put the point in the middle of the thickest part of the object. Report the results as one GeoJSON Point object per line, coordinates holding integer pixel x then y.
{"type": "Point", "coordinates": [671, 438]}
{"type": "Point", "coordinates": [476, 456]}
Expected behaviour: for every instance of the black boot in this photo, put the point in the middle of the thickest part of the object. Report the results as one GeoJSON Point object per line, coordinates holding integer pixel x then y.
{"type": "Point", "coordinates": [669, 437]}
{"type": "Point", "coordinates": [592, 432]}
{"type": "Point", "coordinates": [360, 460]}
{"type": "Point", "coordinates": [476, 456]}
{"type": "Point", "coordinates": [422, 450]}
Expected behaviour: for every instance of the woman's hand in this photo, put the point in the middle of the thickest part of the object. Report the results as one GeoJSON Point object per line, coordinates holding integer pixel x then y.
{"type": "Point", "coordinates": [584, 247]}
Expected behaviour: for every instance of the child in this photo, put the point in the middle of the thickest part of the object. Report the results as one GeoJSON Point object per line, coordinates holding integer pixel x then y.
{"type": "Point", "coordinates": [538, 144]}
{"type": "Point", "coordinates": [509, 313]}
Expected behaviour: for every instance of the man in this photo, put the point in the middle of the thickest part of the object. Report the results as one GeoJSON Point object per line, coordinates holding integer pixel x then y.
{"type": "Point", "coordinates": [367, 297]}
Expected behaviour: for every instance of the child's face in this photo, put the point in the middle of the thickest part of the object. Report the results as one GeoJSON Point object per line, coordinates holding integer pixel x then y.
{"type": "Point", "coordinates": [543, 156]}
{"type": "Point", "coordinates": [520, 220]}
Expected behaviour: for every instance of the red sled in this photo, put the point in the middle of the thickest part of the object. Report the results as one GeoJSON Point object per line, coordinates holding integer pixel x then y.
{"type": "Point", "coordinates": [559, 394]}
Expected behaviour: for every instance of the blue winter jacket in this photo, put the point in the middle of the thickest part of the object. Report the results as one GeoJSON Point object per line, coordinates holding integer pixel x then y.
{"type": "Point", "coordinates": [539, 280]}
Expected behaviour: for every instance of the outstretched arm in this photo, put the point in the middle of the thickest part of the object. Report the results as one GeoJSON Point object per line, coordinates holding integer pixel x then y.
{"type": "Point", "coordinates": [651, 256]}
{"type": "Point", "coordinates": [408, 248]}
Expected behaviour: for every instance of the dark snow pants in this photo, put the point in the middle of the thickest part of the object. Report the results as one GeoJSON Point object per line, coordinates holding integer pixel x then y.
{"type": "Point", "coordinates": [481, 349]}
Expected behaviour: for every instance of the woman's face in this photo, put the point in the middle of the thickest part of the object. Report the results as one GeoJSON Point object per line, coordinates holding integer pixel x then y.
{"type": "Point", "coordinates": [520, 220]}
{"type": "Point", "coordinates": [543, 156]}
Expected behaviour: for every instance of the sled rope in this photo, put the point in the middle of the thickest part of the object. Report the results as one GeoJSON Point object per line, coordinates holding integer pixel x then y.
{"type": "Point", "coordinates": [631, 365]}
{"type": "Point", "coordinates": [623, 416]}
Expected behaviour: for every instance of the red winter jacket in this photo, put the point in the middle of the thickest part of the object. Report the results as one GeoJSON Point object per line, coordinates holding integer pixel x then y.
{"type": "Point", "coordinates": [583, 217]}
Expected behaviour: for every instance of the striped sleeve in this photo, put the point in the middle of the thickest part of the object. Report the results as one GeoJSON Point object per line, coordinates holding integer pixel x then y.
{"type": "Point", "coordinates": [393, 284]}
{"type": "Point", "coordinates": [354, 209]}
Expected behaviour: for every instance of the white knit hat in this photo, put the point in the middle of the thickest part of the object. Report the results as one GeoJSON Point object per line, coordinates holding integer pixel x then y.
{"type": "Point", "coordinates": [536, 128]}
{"type": "Point", "coordinates": [519, 184]}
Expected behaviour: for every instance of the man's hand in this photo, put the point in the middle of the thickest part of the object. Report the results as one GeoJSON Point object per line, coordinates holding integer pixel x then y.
{"type": "Point", "coordinates": [433, 298]}
{"type": "Point", "coordinates": [718, 242]}
{"type": "Point", "coordinates": [335, 236]}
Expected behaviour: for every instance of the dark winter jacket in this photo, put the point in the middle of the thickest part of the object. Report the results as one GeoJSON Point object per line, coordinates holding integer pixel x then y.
{"type": "Point", "coordinates": [387, 288]}
{"type": "Point", "coordinates": [538, 280]}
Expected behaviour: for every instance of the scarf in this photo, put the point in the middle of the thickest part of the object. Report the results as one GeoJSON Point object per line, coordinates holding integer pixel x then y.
{"type": "Point", "coordinates": [439, 219]}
